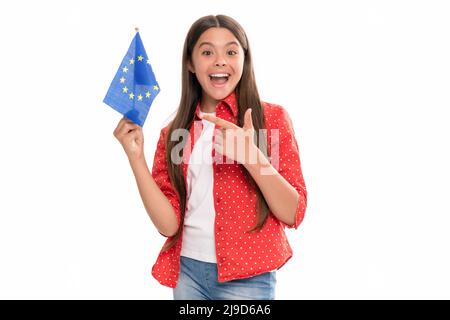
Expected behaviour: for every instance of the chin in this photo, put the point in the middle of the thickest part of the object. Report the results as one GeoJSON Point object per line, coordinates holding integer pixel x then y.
{"type": "Point", "coordinates": [220, 94]}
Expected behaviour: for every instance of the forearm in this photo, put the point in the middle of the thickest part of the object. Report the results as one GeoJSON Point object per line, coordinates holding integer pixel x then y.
{"type": "Point", "coordinates": [281, 197]}
{"type": "Point", "coordinates": [158, 207]}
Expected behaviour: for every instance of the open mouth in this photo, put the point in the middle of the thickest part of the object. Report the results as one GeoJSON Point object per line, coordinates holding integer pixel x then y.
{"type": "Point", "coordinates": [219, 79]}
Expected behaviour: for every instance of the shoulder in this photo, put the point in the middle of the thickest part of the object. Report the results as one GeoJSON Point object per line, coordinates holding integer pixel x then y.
{"type": "Point", "coordinates": [165, 129]}
{"type": "Point", "coordinates": [161, 144]}
{"type": "Point", "coordinates": [271, 107]}
{"type": "Point", "coordinates": [275, 114]}
{"type": "Point", "coordinates": [165, 125]}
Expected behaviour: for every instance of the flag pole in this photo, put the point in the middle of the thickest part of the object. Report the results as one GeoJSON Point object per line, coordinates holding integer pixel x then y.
{"type": "Point", "coordinates": [137, 29]}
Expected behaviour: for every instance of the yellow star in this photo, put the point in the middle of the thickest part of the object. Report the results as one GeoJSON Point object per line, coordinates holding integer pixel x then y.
{"type": "Point", "coordinates": [125, 89]}
{"type": "Point", "coordinates": [132, 61]}
{"type": "Point", "coordinates": [139, 97]}
{"type": "Point", "coordinates": [125, 69]}
{"type": "Point", "coordinates": [140, 58]}
{"type": "Point", "coordinates": [148, 94]}
{"type": "Point", "coordinates": [122, 80]}
{"type": "Point", "coordinates": [155, 88]}
{"type": "Point", "coordinates": [131, 95]}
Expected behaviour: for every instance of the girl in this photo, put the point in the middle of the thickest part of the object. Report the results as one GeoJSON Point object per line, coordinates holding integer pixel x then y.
{"type": "Point", "coordinates": [226, 177]}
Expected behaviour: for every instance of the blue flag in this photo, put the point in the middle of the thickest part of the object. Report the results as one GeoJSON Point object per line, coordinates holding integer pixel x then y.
{"type": "Point", "coordinates": [134, 87]}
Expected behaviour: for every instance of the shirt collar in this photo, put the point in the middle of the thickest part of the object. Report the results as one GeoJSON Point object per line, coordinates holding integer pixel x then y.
{"type": "Point", "coordinates": [229, 101]}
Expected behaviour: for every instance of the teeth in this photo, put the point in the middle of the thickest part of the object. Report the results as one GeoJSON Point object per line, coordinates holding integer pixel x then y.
{"type": "Point", "coordinates": [219, 75]}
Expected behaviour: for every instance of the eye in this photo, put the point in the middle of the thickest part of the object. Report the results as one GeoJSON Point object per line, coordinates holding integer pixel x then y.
{"type": "Point", "coordinates": [206, 53]}
{"type": "Point", "coordinates": [232, 52]}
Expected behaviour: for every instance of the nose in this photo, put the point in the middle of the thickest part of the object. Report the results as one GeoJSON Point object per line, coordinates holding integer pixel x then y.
{"type": "Point", "coordinates": [220, 61]}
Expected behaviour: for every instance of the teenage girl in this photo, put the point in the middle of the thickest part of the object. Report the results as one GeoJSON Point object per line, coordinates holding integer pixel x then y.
{"type": "Point", "coordinates": [226, 177]}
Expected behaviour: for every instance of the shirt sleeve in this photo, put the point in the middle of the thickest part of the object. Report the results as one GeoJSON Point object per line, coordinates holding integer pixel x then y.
{"type": "Point", "coordinates": [161, 175]}
{"type": "Point", "coordinates": [289, 165]}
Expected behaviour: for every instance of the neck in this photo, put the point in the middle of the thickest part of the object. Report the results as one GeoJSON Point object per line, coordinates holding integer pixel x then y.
{"type": "Point", "coordinates": [208, 104]}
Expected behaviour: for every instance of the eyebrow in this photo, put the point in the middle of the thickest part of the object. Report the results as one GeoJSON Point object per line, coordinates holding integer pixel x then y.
{"type": "Point", "coordinates": [209, 43]}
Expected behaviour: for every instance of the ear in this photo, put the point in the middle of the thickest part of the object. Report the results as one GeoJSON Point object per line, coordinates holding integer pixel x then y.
{"type": "Point", "coordinates": [190, 68]}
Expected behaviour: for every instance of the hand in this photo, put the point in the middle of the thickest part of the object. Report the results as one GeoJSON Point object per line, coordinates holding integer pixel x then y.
{"type": "Point", "coordinates": [234, 142]}
{"type": "Point", "coordinates": [131, 137]}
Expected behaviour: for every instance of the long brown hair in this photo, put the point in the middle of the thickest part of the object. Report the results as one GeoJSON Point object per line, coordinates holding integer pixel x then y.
{"type": "Point", "coordinates": [247, 97]}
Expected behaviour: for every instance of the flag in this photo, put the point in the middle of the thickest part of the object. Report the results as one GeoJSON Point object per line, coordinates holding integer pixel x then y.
{"type": "Point", "coordinates": [134, 87]}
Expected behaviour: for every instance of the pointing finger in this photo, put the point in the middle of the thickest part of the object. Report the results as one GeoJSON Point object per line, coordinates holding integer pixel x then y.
{"type": "Point", "coordinates": [248, 122]}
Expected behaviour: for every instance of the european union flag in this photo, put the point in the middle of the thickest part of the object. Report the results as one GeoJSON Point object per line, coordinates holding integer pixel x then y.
{"type": "Point", "coordinates": [134, 87]}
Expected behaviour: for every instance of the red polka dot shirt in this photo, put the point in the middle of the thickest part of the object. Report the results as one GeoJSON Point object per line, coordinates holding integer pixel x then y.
{"type": "Point", "coordinates": [240, 254]}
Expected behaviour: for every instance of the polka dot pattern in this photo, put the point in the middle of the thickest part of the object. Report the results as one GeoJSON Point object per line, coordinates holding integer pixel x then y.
{"type": "Point", "coordinates": [239, 254]}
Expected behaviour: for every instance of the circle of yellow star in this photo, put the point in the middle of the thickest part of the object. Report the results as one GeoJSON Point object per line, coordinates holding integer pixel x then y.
{"type": "Point", "coordinates": [131, 95]}
{"type": "Point", "coordinates": [125, 89]}
{"type": "Point", "coordinates": [131, 61]}
{"type": "Point", "coordinates": [155, 88]}
{"type": "Point", "coordinates": [148, 94]}
{"type": "Point", "coordinates": [122, 80]}
{"type": "Point", "coordinates": [125, 69]}
{"type": "Point", "coordinates": [139, 97]}
{"type": "Point", "coordinates": [140, 58]}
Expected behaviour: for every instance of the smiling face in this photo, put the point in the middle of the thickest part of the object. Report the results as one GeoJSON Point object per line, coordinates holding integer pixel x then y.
{"type": "Point", "coordinates": [217, 61]}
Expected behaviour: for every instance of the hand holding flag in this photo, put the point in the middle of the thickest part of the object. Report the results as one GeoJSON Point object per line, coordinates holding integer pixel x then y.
{"type": "Point", "coordinates": [131, 138]}
{"type": "Point", "coordinates": [134, 87]}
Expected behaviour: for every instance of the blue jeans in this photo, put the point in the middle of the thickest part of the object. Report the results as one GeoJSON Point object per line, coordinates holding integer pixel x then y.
{"type": "Point", "coordinates": [198, 281]}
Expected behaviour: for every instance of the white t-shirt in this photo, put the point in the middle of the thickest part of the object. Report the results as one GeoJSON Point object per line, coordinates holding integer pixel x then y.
{"type": "Point", "coordinates": [198, 234]}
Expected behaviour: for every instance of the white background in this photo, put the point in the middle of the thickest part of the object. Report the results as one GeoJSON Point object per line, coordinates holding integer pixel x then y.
{"type": "Point", "coordinates": [366, 84]}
